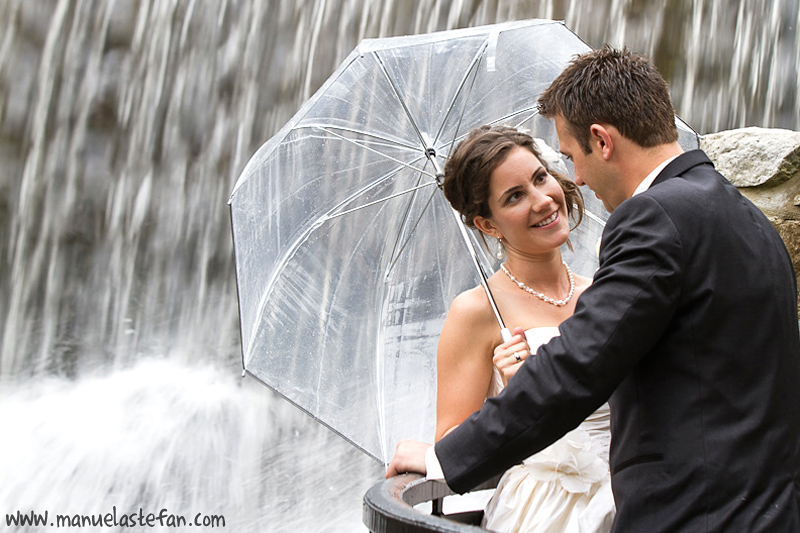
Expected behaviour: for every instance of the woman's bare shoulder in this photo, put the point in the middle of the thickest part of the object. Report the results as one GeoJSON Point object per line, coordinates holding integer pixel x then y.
{"type": "Point", "coordinates": [470, 317]}
{"type": "Point", "coordinates": [472, 305]}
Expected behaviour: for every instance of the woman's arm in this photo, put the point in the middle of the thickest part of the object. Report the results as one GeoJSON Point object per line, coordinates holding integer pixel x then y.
{"type": "Point", "coordinates": [464, 360]}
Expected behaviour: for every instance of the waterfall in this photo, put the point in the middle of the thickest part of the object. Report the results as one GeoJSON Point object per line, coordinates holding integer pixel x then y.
{"type": "Point", "coordinates": [123, 126]}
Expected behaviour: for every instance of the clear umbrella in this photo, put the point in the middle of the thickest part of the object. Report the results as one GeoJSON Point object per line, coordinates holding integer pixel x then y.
{"type": "Point", "coordinates": [347, 253]}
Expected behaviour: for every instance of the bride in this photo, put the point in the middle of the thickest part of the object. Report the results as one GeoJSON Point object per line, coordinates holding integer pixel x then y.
{"type": "Point", "coordinates": [497, 180]}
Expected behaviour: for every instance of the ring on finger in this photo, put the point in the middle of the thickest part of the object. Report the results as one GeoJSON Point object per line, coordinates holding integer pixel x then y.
{"type": "Point", "coordinates": [517, 357]}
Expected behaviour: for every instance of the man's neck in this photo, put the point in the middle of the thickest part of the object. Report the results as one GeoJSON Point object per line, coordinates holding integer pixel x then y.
{"type": "Point", "coordinates": [645, 160]}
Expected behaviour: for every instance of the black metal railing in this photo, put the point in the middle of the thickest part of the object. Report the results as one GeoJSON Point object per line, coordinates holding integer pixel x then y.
{"type": "Point", "coordinates": [389, 507]}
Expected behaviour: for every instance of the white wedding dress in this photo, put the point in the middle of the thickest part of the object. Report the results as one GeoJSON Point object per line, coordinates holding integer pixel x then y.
{"type": "Point", "coordinates": [565, 488]}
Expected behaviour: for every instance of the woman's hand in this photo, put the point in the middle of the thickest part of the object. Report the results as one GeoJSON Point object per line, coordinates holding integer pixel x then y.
{"type": "Point", "coordinates": [509, 356]}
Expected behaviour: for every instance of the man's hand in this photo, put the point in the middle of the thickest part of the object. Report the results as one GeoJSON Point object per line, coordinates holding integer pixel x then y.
{"type": "Point", "coordinates": [409, 457]}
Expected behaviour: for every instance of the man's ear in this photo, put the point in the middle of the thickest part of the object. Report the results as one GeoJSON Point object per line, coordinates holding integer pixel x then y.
{"type": "Point", "coordinates": [487, 227]}
{"type": "Point", "coordinates": [600, 137]}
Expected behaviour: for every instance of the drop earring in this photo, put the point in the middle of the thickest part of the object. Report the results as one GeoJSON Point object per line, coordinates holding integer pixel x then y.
{"type": "Point", "coordinates": [501, 251]}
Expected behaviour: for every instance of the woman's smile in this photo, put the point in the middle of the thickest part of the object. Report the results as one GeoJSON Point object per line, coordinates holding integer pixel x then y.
{"type": "Point", "coordinates": [549, 220]}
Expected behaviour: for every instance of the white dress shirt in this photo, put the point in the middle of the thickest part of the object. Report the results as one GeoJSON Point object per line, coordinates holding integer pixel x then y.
{"type": "Point", "coordinates": [648, 181]}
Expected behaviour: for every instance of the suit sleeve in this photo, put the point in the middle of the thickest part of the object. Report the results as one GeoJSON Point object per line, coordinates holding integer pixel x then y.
{"type": "Point", "coordinates": [616, 322]}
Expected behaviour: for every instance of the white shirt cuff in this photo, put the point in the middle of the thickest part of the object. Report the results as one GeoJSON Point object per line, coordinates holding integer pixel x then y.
{"type": "Point", "coordinates": [432, 466]}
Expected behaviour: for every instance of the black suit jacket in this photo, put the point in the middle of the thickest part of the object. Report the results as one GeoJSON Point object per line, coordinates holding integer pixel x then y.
{"type": "Point", "coordinates": [690, 331]}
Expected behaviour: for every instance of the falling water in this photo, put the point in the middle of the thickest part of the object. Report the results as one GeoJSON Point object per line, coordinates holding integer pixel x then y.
{"type": "Point", "coordinates": [123, 125]}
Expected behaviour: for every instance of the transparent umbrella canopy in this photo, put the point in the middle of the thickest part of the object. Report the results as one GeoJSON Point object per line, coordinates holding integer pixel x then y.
{"type": "Point", "coordinates": [347, 253]}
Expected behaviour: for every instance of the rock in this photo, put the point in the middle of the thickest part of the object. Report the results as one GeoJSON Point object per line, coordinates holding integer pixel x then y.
{"type": "Point", "coordinates": [789, 231]}
{"type": "Point", "coordinates": [764, 164]}
{"type": "Point", "coordinates": [749, 157]}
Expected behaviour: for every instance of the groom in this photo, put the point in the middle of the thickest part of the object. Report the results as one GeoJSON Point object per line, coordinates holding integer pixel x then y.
{"type": "Point", "coordinates": [689, 330]}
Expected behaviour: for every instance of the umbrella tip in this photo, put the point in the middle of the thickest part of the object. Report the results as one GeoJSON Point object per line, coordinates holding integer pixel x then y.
{"type": "Point", "coordinates": [244, 373]}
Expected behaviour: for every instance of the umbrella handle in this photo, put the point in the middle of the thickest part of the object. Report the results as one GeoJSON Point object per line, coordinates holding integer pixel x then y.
{"type": "Point", "coordinates": [505, 334]}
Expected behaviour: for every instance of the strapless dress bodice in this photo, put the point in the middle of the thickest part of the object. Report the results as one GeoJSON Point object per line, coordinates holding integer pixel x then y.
{"type": "Point", "coordinates": [565, 487]}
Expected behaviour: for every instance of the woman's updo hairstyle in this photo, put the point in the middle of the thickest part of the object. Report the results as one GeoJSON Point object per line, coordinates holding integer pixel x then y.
{"type": "Point", "coordinates": [469, 168]}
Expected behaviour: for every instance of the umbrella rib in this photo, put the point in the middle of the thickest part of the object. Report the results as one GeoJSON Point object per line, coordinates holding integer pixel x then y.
{"type": "Point", "coordinates": [499, 120]}
{"type": "Point", "coordinates": [461, 117]}
{"type": "Point", "coordinates": [364, 146]}
{"type": "Point", "coordinates": [594, 217]}
{"type": "Point", "coordinates": [475, 62]}
{"type": "Point", "coordinates": [328, 127]}
{"type": "Point", "coordinates": [396, 255]}
{"type": "Point", "coordinates": [412, 189]}
{"type": "Point", "coordinates": [517, 113]}
{"type": "Point", "coordinates": [400, 99]}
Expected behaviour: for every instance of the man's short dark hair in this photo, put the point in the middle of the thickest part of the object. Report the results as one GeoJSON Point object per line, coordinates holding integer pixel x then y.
{"type": "Point", "coordinates": [616, 87]}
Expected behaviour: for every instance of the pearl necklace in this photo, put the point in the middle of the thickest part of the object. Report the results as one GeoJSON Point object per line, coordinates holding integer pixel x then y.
{"type": "Point", "coordinates": [558, 303]}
